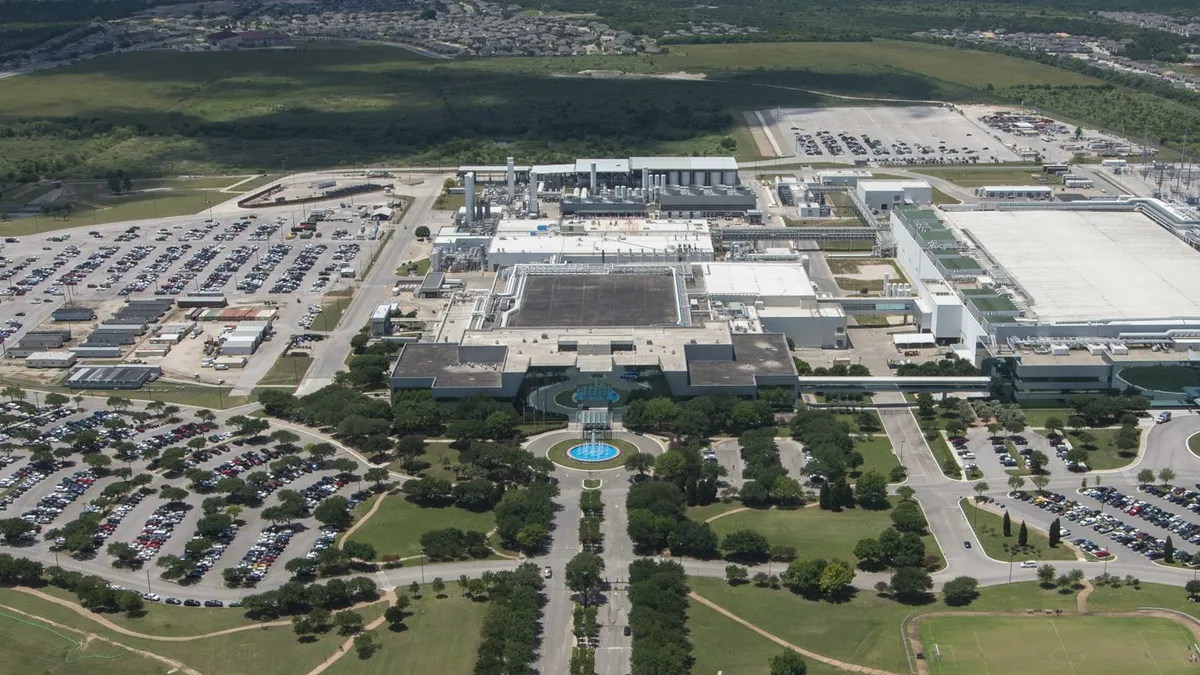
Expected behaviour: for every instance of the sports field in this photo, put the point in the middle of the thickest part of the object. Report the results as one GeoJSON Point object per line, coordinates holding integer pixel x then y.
{"type": "Point", "coordinates": [1043, 645]}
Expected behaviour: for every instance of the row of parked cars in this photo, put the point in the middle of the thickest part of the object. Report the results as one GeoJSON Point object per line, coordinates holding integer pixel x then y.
{"type": "Point", "coordinates": [293, 276]}
{"type": "Point", "coordinates": [148, 275]}
{"type": "Point", "coordinates": [228, 267]}
{"type": "Point", "coordinates": [158, 529]}
{"type": "Point", "coordinates": [258, 274]}
{"type": "Point", "coordinates": [120, 510]}
{"type": "Point", "coordinates": [68, 489]}
{"type": "Point", "coordinates": [93, 262]}
{"type": "Point", "coordinates": [208, 559]}
{"type": "Point", "coordinates": [267, 550]}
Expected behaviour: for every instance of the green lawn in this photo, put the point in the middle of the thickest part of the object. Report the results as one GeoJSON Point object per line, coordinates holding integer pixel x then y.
{"type": "Point", "coordinates": [851, 420]}
{"type": "Point", "coordinates": [413, 268]}
{"type": "Point", "coordinates": [702, 513]}
{"type": "Point", "coordinates": [1036, 417]}
{"type": "Point", "coordinates": [982, 645]}
{"type": "Point", "coordinates": [722, 645]}
{"type": "Point", "coordinates": [440, 636]}
{"type": "Point", "coordinates": [1194, 444]}
{"type": "Point", "coordinates": [331, 312]}
{"type": "Point", "coordinates": [272, 651]}
{"type": "Point", "coordinates": [1105, 455]}
{"type": "Point", "coordinates": [1128, 598]}
{"type": "Point", "coordinates": [31, 646]}
{"type": "Point", "coordinates": [877, 454]}
{"type": "Point", "coordinates": [397, 526]}
{"type": "Point", "coordinates": [165, 620]}
{"type": "Point", "coordinates": [864, 631]}
{"type": "Point", "coordinates": [815, 533]}
{"type": "Point", "coordinates": [976, 176]}
{"type": "Point", "coordinates": [989, 528]}
{"type": "Point", "coordinates": [201, 396]}
{"type": "Point", "coordinates": [287, 371]}
{"type": "Point", "coordinates": [436, 453]}
{"type": "Point", "coordinates": [261, 181]}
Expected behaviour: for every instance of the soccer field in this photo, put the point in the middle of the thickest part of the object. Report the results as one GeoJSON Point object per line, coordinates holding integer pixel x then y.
{"type": "Point", "coordinates": [1043, 645]}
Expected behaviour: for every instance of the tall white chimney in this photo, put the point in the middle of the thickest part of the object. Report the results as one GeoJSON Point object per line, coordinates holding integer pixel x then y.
{"type": "Point", "coordinates": [593, 190]}
{"type": "Point", "coordinates": [533, 195]}
{"type": "Point", "coordinates": [469, 192]}
{"type": "Point", "coordinates": [512, 181]}
{"type": "Point", "coordinates": [645, 178]}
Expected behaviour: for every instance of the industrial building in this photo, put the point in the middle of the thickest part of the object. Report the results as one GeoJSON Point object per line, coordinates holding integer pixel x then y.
{"type": "Point", "coordinates": [112, 377]}
{"type": "Point", "coordinates": [381, 320]}
{"type": "Point", "coordinates": [1015, 192]}
{"type": "Point", "coordinates": [595, 173]}
{"type": "Point", "coordinates": [1107, 299]}
{"type": "Point", "coordinates": [842, 177]}
{"type": "Point", "coordinates": [706, 202]}
{"type": "Point", "coordinates": [63, 359]}
{"type": "Point", "coordinates": [881, 195]}
{"type": "Point", "coordinates": [244, 339]}
{"type": "Point", "coordinates": [706, 327]}
{"type": "Point", "coordinates": [86, 352]}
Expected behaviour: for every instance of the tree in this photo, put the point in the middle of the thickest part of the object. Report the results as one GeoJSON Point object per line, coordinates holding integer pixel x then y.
{"type": "Point", "coordinates": [376, 475]}
{"type": "Point", "coordinates": [907, 517]}
{"type": "Point", "coordinates": [414, 589]}
{"type": "Point", "coordinates": [1046, 574]}
{"type": "Point", "coordinates": [746, 546]}
{"type": "Point", "coordinates": [1054, 425]}
{"type": "Point", "coordinates": [925, 405]}
{"type": "Point", "coordinates": [736, 574]}
{"type": "Point", "coordinates": [804, 577]}
{"type": "Point", "coordinates": [788, 663]}
{"type": "Point", "coordinates": [1007, 524]}
{"type": "Point", "coordinates": [438, 587]}
{"type": "Point", "coordinates": [1016, 482]}
{"type": "Point", "coordinates": [359, 550]}
{"type": "Point", "coordinates": [960, 591]}
{"type": "Point", "coordinates": [1037, 461]}
{"type": "Point", "coordinates": [1193, 588]}
{"type": "Point", "coordinates": [1145, 477]}
{"type": "Point", "coordinates": [870, 490]}
{"type": "Point", "coordinates": [1166, 475]}
{"type": "Point", "coordinates": [981, 487]}
{"type": "Point", "coordinates": [1023, 535]}
{"type": "Point", "coordinates": [641, 462]}
{"type": "Point", "coordinates": [836, 578]}
{"type": "Point", "coordinates": [14, 529]}
{"type": "Point", "coordinates": [1040, 481]}
{"type": "Point", "coordinates": [1168, 551]}
{"type": "Point", "coordinates": [825, 497]}
{"type": "Point", "coordinates": [584, 575]}
{"type": "Point", "coordinates": [422, 232]}
{"type": "Point", "coordinates": [394, 615]}
{"type": "Point", "coordinates": [693, 539]}
{"type": "Point", "coordinates": [911, 584]}
{"type": "Point", "coordinates": [1055, 532]}
{"type": "Point", "coordinates": [870, 555]}
{"type": "Point", "coordinates": [348, 622]}
{"type": "Point", "coordinates": [1078, 133]}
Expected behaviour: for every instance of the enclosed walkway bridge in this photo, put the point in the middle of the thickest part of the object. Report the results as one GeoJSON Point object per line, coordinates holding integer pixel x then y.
{"type": "Point", "coordinates": [916, 384]}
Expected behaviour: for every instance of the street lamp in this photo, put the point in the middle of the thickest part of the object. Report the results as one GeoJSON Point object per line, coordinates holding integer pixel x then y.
{"type": "Point", "coordinates": [1010, 561]}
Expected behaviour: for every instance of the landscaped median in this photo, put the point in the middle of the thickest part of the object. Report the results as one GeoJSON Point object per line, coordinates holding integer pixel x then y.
{"type": "Point", "coordinates": [989, 529]}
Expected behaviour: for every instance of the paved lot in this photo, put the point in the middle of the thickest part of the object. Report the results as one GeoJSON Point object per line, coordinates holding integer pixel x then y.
{"type": "Point", "coordinates": [729, 455]}
{"type": "Point", "coordinates": [900, 131]}
{"type": "Point", "coordinates": [791, 455]}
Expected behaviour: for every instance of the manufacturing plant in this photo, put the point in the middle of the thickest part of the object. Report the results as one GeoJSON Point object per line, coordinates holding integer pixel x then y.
{"type": "Point", "coordinates": [1108, 294]}
{"type": "Point", "coordinates": [706, 327]}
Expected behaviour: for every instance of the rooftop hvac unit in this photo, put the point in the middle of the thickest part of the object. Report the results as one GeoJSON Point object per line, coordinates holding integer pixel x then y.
{"type": "Point", "coordinates": [1119, 349]}
{"type": "Point", "coordinates": [1095, 350]}
{"type": "Point", "coordinates": [1059, 350]}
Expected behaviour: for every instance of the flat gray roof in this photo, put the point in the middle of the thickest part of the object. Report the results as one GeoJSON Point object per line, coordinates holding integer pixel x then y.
{"type": "Point", "coordinates": [683, 163]}
{"type": "Point", "coordinates": [602, 165]}
{"type": "Point", "coordinates": [756, 354]}
{"type": "Point", "coordinates": [442, 363]}
{"type": "Point", "coordinates": [597, 300]}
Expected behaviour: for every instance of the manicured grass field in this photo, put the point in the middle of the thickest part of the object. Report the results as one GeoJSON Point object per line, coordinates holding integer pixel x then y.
{"type": "Point", "coordinates": [201, 396]}
{"type": "Point", "coordinates": [558, 455]}
{"type": "Point", "coordinates": [272, 651]}
{"type": "Point", "coordinates": [877, 454]}
{"type": "Point", "coordinates": [438, 454]}
{"type": "Point", "coordinates": [1194, 444]}
{"type": "Point", "coordinates": [971, 177]}
{"type": "Point", "coordinates": [1127, 599]}
{"type": "Point", "coordinates": [1036, 417]}
{"type": "Point", "coordinates": [863, 631]}
{"type": "Point", "coordinates": [331, 312]}
{"type": "Point", "coordinates": [397, 526]}
{"type": "Point", "coordinates": [722, 645]}
{"type": "Point", "coordinates": [989, 527]}
{"type": "Point", "coordinates": [702, 513]}
{"type": "Point", "coordinates": [1106, 455]}
{"type": "Point", "coordinates": [851, 420]}
{"type": "Point", "coordinates": [165, 620]}
{"type": "Point", "coordinates": [815, 533]}
{"type": "Point", "coordinates": [439, 636]}
{"type": "Point", "coordinates": [34, 647]}
{"type": "Point", "coordinates": [287, 371]}
{"type": "Point", "coordinates": [982, 645]}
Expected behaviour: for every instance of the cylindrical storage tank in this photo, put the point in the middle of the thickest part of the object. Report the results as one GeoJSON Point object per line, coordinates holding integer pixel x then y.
{"type": "Point", "coordinates": [698, 178]}
{"type": "Point", "coordinates": [685, 177]}
{"type": "Point", "coordinates": [729, 178]}
{"type": "Point", "coordinates": [645, 177]}
{"type": "Point", "coordinates": [673, 178]}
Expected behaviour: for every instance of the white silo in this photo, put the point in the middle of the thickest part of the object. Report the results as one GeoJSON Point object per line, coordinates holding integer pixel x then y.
{"type": "Point", "coordinates": [512, 181]}
{"type": "Point", "coordinates": [593, 183]}
{"type": "Point", "coordinates": [469, 194]}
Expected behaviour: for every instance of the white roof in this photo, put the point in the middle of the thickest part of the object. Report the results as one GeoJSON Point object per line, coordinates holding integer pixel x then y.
{"type": "Point", "coordinates": [756, 279]}
{"type": "Point", "coordinates": [683, 163]}
{"type": "Point", "coordinates": [51, 356]}
{"type": "Point", "coordinates": [551, 169]}
{"type": "Point", "coordinates": [591, 243]}
{"type": "Point", "coordinates": [1089, 264]}
{"type": "Point", "coordinates": [892, 185]}
{"type": "Point", "coordinates": [602, 165]}
{"type": "Point", "coordinates": [844, 172]}
{"type": "Point", "coordinates": [913, 339]}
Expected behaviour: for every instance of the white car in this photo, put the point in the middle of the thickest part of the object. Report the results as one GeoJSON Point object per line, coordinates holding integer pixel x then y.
{"type": "Point", "coordinates": [547, 573]}
{"type": "Point", "coordinates": [1028, 564]}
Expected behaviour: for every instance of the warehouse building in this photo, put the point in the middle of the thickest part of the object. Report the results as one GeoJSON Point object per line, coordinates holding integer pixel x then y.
{"type": "Point", "coordinates": [101, 337]}
{"type": "Point", "coordinates": [112, 377]}
{"type": "Point", "coordinates": [882, 195]}
{"type": "Point", "coordinates": [597, 174]}
{"type": "Point", "coordinates": [44, 339]}
{"type": "Point", "coordinates": [73, 314]}
{"type": "Point", "coordinates": [50, 360]}
{"type": "Point", "coordinates": [86, 352]}
{"type": "Point", "coordinates": [763, 297]}
{"type": "Point", "coordinates": [842, 177]}
{"type": "Point", "coordinates": [208, 300]}
{"type": "Point", "coordinates": [1025, 192]}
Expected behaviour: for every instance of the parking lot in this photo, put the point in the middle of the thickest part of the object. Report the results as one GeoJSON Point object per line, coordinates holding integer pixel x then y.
{"type": "Point", "coordinates": [884, 135]}
{"type": "Point", "coordinates": [183, 452]}
{"type": "Point", "coordinates": [991, 455]}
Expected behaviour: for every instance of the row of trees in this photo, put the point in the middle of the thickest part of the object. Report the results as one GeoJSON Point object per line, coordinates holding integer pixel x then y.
{"type": "Point", "coordinates": [658, 618]}
{"type": "Point", "coordinates": [295, 598]}
{"type": "Point", "coordinates": [700, 417]}
{"type": "Point", "coordinates": [452, 543]}
{"type": "Point", "coordinates": [524, 514]}
{"type": "Point", "coordinates": [511, 627]}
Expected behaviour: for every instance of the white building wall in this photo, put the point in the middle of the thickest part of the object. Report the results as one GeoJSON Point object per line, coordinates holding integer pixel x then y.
{"type": "Point", "coordinates": [826, 332]}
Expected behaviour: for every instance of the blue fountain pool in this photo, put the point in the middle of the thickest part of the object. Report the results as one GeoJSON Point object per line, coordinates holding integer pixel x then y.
{"type": "Point", "coordinates": [593, 452]}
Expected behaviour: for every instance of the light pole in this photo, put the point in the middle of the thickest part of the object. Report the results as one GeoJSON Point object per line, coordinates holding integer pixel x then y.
{"type": "Point", "coordinates": [148, 590]}
{"type": "Point", "coordinates": [1010, 560]}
